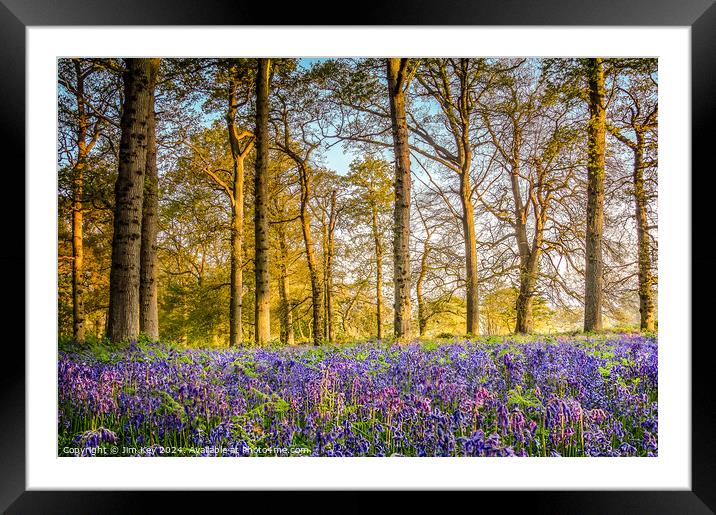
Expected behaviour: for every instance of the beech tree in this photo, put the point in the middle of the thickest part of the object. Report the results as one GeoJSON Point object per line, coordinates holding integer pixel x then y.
{"type": "Point", "coordinates": [297, 111]}
{"type": "Point", "coordinates": [371, 177]}
{"type": "Point", "coordinates": [284, 261]}
{"type": "Point", "coordinates": [330, 211]}
{"type": "Point", "coordinates": [634, 124]}
{"type": "Point", "coordinates": [72, 76]}
{"type": "Point", "coordinates": [305, 177]}
{"type": "Point", "coordinates": [241, 142]}
{"type": "Point", "coordinates": [488, 175]}
{"type": "Point", "coordinates": [531, 135]}
{"type": "Point", "coordinates": [455, 84]}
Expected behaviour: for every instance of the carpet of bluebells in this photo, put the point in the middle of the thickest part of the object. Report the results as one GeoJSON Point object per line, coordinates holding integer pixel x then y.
{"type": "Point", "coordinates": [585, 396]}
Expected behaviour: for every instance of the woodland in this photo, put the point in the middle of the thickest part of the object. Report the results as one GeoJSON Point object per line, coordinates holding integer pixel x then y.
{"type": "Point", "coordinates": [222, 202]}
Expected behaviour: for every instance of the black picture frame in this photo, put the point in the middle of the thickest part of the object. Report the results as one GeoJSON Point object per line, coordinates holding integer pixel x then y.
{"type": "Point", "coordinates": [16, 15]}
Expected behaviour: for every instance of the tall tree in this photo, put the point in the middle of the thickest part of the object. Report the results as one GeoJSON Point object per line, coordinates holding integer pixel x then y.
{"type": "Point", "coordinates": [330, 216]}
{"type": "Point", "coordinates": [123, 315]}
{"type": "Point", "coordinates": [423, 316]}
{"type": "Point", "coordinates": [284, 284]}
{"type": "Point", "coordinates": [298, 112]}
{"type": "Point", "coordinates": [596, 131]}
{"type": "Point", "coordinates": [530, 136]}
{"type": "Point", "coordinates": [636, 124]}
{"type": "Point", "coordinates": [261, 220]}
{"type": "Point", "coordinates": [453, 83]}
{"type": "Point", "coordinates": [148, 309]}
{"type": "Point", "coordinates": [305, 179]}
{"type": "Point", "coordinates": [371, 177]}
{"type": "Point", "coordinates": [73, 78]}
{"type": "Point", "coordinates": [379, 271]}
{"type": "Point", "coordinates": [230, 88]}
{"type": "Point", "coordinates": [399, 75]}
{"type": "Point", "coordinates": [240, 143]}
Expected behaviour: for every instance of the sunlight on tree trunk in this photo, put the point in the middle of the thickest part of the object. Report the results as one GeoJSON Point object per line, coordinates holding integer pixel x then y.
{"type": "Point", "coordinates": [397, 82]}
{"type": "Point", "coordinates": [148, 309]}
{"type": "Point", "coordinates": [263, 313]}
{"type": "Point", "coordinates": [123, 318]}
{"type": "Point", "coordinates": [594, 280]}
{"type": "Point", "coordinates": [78, 312]}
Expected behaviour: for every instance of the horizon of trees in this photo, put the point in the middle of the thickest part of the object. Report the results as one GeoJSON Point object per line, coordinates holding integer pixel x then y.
{"type": "Point", "coordinates": [197, 200]}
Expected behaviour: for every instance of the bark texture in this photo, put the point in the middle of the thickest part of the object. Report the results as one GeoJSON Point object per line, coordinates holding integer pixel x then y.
{"type": "Point", "coordinates": [261, 221]}
{"type": "Point", "coordinates": [284, 287]}
{"type": "Point", "coordinates": [594, 282]}
{"type": "Point", "coordinates": [329, 253]}
{"type": "Point", "coordinates": [123, 316]}
{"type": "Point", "coordinates": [457, 104]}
{"type": "Point", "coordinates": [148, 298]}
{"type": "Point", "coordinates": [397, 81]}
{"type": "Point", "coordinates": [379, 270]}
{"type": "Point", "coordinates": [240, 143]}
{"type": "Point", "coordinates": [314, 274]}
{"type": "Point", "coordinates": [471, 276]}
{"type": "Point", "coordinates": [419, 287]}
{"type": "Point", "coordinates": [78, 311]}
{"type": "Point", "coordinates": [646, 278]}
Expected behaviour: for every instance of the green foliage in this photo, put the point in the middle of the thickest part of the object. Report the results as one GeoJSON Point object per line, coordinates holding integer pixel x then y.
{"type": "Point", "coordinates": [349, 95]}
{"type": "Point", "coordinates": [523, 399]}
{"type": "Point", "coordinates": [498, 310]}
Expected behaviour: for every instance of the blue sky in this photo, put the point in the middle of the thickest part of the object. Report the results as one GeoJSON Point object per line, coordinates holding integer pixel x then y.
{"type": "Point", "coordinates": [336, 158]}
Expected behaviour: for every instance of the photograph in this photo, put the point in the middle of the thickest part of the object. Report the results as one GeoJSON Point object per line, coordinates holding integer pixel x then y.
{"type": "Point", "coordinates": [357, 257]}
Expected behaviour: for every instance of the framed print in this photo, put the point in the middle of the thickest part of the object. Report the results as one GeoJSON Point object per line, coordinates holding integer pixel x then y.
{"type": "Point", "coordinates": [222, 295]}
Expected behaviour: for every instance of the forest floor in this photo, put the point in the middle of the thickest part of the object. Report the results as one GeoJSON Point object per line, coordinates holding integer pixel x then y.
{"type": "Point", "coordinates": [580, 395]}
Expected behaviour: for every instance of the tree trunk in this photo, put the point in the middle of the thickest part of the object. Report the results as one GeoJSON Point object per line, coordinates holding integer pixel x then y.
{"type": "Point", "coordinates": [148, 310]}
{"type": "Point", "coordinates": [422, 305]}
{"type": "Point", "coordinates": [261, 222]}
{"type": "Point", "coordinates": [471, 276]}
{"type": "Point", "coordinates": [237, 256]}
{"type": "Point", "coordinates": [523, 308]}
{"type": "Point", "coordinates": [646, 295]}
{"type": "Point", "coordinates": [461, 132]}
{"type": "Point", "coordinates": [525, 297]}
{"type": "Point", "coordinates": [328, 279]}
{"type": "Point", "coordinates": [238, 155]}
{"type": "Point", "coordinates": [379, 272]}
{"type": "Point", "coordinates": [324, 292]}
{"type": "Point", "coordinates": [396, 75]}
{"type": "Point", "coordinates": [78, 311]}
{"type": "Point", "coordinates": [316, 301]}
{"type": "Point", "coordinates": [299, 328]}
{"type": "Point", "coordinates": [123, 315]}
{"type": "Point", "coordinates": [287, 336]}
{"type": "Point", "coordinates": [347, 312]}
{"type": "Point", "coordinates": [594, 280]}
